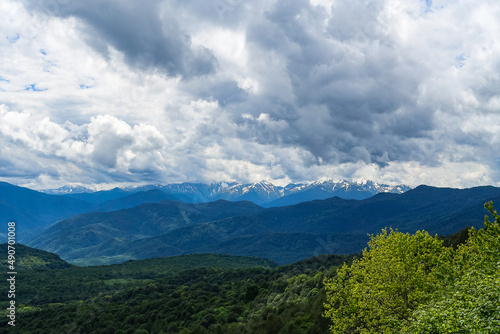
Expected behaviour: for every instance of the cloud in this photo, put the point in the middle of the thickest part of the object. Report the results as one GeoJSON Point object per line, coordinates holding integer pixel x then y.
{"type": "Point", "coordinates": [397, 91]}
{"type": "Point", "coordinates": [149, 36]}
{"type": "Point", "coordinates": [372, 92]}
{"type": "Point", "coordinates": [105, 145]}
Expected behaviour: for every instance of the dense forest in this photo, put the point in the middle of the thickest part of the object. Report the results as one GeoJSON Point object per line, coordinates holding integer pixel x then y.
{"type": "Point", "coordinates": [130, 298]}
{"type": "Point", "coordinates": [401, 283]}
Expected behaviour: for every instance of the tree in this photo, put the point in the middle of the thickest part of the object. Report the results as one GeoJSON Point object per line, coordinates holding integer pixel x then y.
{"type": "Point", "coordinates": [470, 303]}
{"type": "Point", "coordinates": [378, 292]}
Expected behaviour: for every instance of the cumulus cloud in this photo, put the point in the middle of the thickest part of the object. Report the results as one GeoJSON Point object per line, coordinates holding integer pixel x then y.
{"type": "Point", "coordinates": [105, 144]}
{"type": "Point", "coordinates": [167, 91]}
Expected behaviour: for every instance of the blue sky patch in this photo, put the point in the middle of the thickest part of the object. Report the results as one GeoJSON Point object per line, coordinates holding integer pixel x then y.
{"type": "Point", "coordinates": [13, 38]}
{"type": "Point", "coordinates": [428, 6]}
{"type": "Point", "coordinates": [460, 60]}
{"type": "Point", "coordinates": [34, 88]}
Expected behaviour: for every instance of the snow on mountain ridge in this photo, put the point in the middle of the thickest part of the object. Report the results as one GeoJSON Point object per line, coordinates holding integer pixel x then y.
{"type": "Point", "coordinates": [264, 191]}
{"type": "Point", "coordinates": [68, 190]}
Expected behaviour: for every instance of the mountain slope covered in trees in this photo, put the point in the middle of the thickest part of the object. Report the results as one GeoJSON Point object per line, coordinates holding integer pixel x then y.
{"type": "Point", "coordinates": [203, 293]}
{"type": "Point", "coordinates": [282, 234]}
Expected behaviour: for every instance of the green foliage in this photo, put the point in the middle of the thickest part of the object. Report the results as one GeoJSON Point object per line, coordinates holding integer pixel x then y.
{"type": "Point", "coordinates": [471, 305]}
{"type": "Point", "coordinates": [31, 259]}
{"type": "Point", "coordinates": [470, 302]}
{"type": "Point", "coordinates": [165, 296]}
{"type": "Point", "coordinates": [482, 251]}
{"type": "Point", "coordinates": [456, 239]}
{"type": "Point", "coordinates": [381, 289]}
{"type": "Point", "coordinates": [414, 284]}
{"type": "Point", "coordinates": [42, 286]}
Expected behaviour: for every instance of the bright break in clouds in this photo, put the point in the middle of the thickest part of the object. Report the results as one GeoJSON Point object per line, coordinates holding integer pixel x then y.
{"type": "Point", "coordinates": [111, 92]}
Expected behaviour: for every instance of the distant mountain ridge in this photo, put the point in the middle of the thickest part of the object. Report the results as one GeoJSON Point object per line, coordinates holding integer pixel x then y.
{"type": "Point", "coordinates": [68, 190]}
{"type": "Point", "coordinates": [262, 193]}
{"type": "Point", "coordinates": [282, 234]}
{"type": "Point", "coordinates": [77, 237]}
{"type": "Point", "coordinates": [32, 210]}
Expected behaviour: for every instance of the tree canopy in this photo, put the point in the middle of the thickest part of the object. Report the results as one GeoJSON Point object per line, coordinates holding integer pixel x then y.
{"type": "Point", "coordinates": [414, 284]}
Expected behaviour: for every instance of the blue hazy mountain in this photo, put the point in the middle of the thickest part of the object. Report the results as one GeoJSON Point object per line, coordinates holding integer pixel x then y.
{"type": "Point", "coordinates": [33, 211]}
{"type": "Point", "coordinates": [83, 234]}
{"type": "Point", "coordinates": [262, 193]}
{"type": "Point", "coordinates": [282, 234]}
{"type": "Point", "coordinates": [135, 199]}
{"type": "Point", "coordinates": [95, 197]}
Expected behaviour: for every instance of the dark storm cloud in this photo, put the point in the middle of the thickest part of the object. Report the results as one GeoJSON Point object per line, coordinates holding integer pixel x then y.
{"type": "Point", "coordinates": [354, 94]}
{"type": "Point", "coordinates": [147, 33]}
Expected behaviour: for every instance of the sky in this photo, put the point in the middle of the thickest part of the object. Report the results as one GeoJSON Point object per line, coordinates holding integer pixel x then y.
{"type": "Point", "coordinates": [121, 92]}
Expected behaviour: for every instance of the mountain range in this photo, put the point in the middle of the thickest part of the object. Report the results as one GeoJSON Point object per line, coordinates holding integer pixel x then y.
{"type": "Point", "coordinates": [260, 219]}
{"type": "Point", "coordinates": [262, 193]}
{"type": "Point", "coordinates": [282, 234]}
{"type": "Point", "coordinates": [34, 210]}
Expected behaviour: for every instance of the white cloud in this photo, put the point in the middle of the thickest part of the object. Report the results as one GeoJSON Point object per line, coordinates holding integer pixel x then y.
{"type": "Point", "coordinates": [395, 91]}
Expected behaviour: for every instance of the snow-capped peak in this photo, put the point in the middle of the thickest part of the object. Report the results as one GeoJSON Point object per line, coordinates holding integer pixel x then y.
{"type": "Point", "coordinates": [264, 191]}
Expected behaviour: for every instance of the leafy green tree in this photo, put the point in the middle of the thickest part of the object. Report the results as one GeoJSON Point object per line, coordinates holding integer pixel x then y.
{"type": "Point", "coordinates": [378, 292]}
{"type": "Point", "coordinates": [470, 303]}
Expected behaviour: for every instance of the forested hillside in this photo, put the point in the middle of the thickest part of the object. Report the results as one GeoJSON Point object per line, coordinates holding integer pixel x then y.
{"type": "Point", "coordinates": [165, 296]}
{"type": "Point", "coordinates": [282, 234]}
